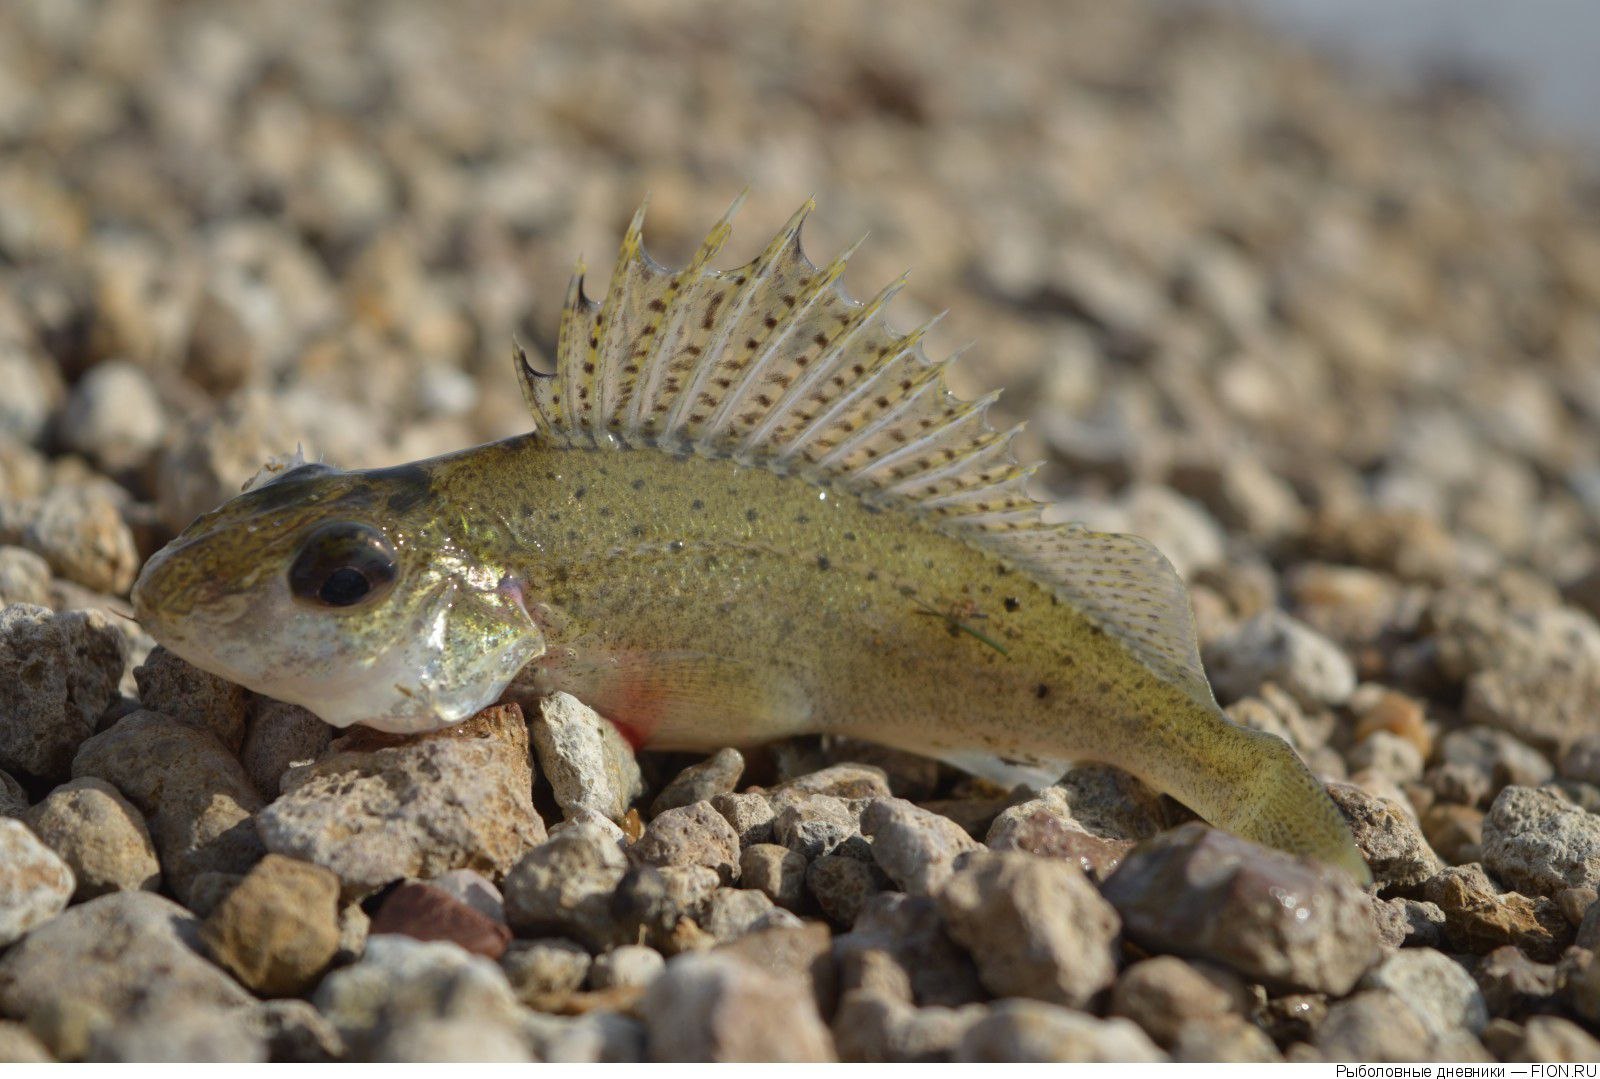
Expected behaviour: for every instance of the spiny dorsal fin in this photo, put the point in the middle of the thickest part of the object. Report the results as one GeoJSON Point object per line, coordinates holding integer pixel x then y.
{"type": "Point", "coordinates": [774, 365]}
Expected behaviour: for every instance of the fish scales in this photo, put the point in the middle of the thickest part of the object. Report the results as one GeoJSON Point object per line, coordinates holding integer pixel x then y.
{"type": "Point", "coordinates": [748, 510]}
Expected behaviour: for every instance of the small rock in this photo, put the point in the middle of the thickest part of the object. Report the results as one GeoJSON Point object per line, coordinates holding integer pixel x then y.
{"type": "Point", "coordinates": [79, 530]}
{"type": "Point", "coordinates": [750, 814]}
{"type": "Point", "coordinates": [423, 912]}
{"type": "Point", "coordinates": [872, 1027]}
{"type": "Point", "coordinates": [629, 965]}
{"type": "Point", "coordinates": [849, 780]}
{"type": "Point", "coordinates": [1288, 923]}
{"type": "Point", "coordinates": [13, 799]}
{"type": "Point", "coordinates": [279, 737]}
{"type": "Point", "coordinates": [691, 835]}
{"type": "Point", "coordinates": [401, 983]}
{"type": "Point", "coordinates": [1479, 918]}
{"type": "Point", "coordinates": [279, 928]}
{"type": "Point", "coordinates": [732, 912]}
{"type": "Point", "coordinates": [1164, 994]}
{"type": "Point", "coordinates": [412, 807]}
{"type": "Point", "coordinates": [1578, 977]}
{"type": "Point", "coordinates": [1108, 802]}
{"type": "Point", "coordinates": [598, 1037]}
{"type": "Point", "coordinates": [1539, 843]}
{"type": "Point", "coordinates": [1374, 1025]}
{"type": "Point", "coordinates": [801, 953]}
{"type": "Point", "coordinates": [1580, 760]}
{"type": "Point", "coordinates": [58, 673]}
{"type": "Point", "coordinates": [196, 798]}
{"type": "Point", "coordinates": [1551, 1040]}
{"type": "Point", "coordinates": [475, 890]}
{"type": "Point", "coordinates": [24, 577]}
{"type": "Point", "coordinates": [717, 774]}
{"type": "Point", "coordinates": [817, 824]}
{"type": "Point", "coordinates": [664, 906]}
{"type": "Point", "coordinates": [209, 1035]}
{"type": "Point", "coordinates": [1027, 1031]}
{"type": "Point", "coordinates": [587, 761]}
{"type": "Point", "coordinates": [1389, 755]}
{"type": "Point", "coordinates": [841, 886]}
{"type": "Point", "coordinates": [1045, 827]}
{"type": "Point", "coordinates": [113, 416]}
{"type": "Point", "coordinates": [1035, 928]}
{"type": "Point", "coordinates": [459, 1039]}
{"type": "Point", "coordinates": [1273, 647]}
{"type": "Point", "coordinates": [295, 1033]}
{"type": "Point", "coordinates": [34, 883]}
{"type": "Point", "coordinates": [913, 847]}
{"type": "Point", "coordinates": [100, 835]}
{"type": "Point", "coordinates": [717, 1008]}
{"type": "Point", "coordinates": [1435, 987]}
{"type": "Point", "coordinates": [118, 955]}
{"type": "Point", "coordinates": [564, 887]}
{"type": "Point", "coordinates": [1455, 831]}
{"type": "Point", "coordinates": [1389, 839]}
{"type": "Point", "coordinates": [1229, 1039]}
{"type": "Point", "coordinates": [777, 872]}
{"type": "Point", "coordinates": [1513, 985]}
{"type": "Point", "coordinates": [910, 932]}
{"type": "Point", "coordinates": [19, 1046]}
{"type": "Point", "coordinates": [541, 969]}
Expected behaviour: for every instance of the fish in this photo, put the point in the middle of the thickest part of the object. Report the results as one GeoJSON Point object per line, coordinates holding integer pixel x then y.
{"type": "Point", "coordinates": [747, 509]}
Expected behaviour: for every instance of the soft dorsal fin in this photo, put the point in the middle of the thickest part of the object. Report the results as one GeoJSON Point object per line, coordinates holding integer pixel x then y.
{"type": "Point", "coordinates": [774, 365]}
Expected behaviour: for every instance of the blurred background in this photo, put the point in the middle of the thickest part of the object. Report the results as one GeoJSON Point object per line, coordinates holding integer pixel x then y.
{"type": "Point", "coordinates": [1271, 283]}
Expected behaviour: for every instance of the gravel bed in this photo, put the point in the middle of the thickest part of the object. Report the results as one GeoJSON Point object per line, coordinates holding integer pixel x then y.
{"type": "Point", "coordinates": [1332, 347]}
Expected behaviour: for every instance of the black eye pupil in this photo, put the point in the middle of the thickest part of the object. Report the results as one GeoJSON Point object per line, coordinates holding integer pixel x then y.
{"type": "Point", "coordinates": [343, 587]}
{"type": "Point", "coordinates": [342, 564]}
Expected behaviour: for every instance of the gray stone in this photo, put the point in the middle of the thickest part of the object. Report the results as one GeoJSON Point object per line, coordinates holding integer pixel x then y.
{"type": "Point", "coordinates": [294, 1032]}
{"type": "Point", "coordinates": [401, 982]}
{"type": "Point", "coordinates": [730, 913]}
{"type": "Point", "coordinates": [629, 965]}
{"type": "Point", "coordinates": [750, 815]}
{"type": "Point", "coordinates": [716, 1008]}
{"type": "Point", "coordinates": [873, 1027]}
{"type": "Point", "coordinates": [541, 969]}
{"type": "Point", "coordinates": [19, 1046]}
{"type": "Point", "coordinates": [378, 809]}
{"type": "Point", "coordinates": [119, 956]}
{"type": "Point", "coordinates": [1553, 1040]}
{"type": "Point", "coordinates": [279, 737]}
{"type": "Point", "coordinates": [817, 824]}
{"type": "Point", "coordinates": [24, 577]}
{"type": "Point", "coordinates": [209, 1035]}
{"type": "Point", "coordinates": [1388, 838]}
{"type": "Point", "coordinates": [909, 932]}
{"type": "Point", "coordinates": [717, 774]}
{"type": "Point", "coordinates": [78, 528]}
{"type": "Point", "coordinates": [1539, 843]}
{"type": "Point", "coordinates": [690, 835]}
{"type": "Point", "coordinates": [1028, 1031]}
{"type": "Point", "coordinates": [842, 886]}
{"type": "Point", "coordinates": [13, 798]}
{"type": "Point", "coordinates": [1164, 994]}
{"type": "Point", "coordinates": [1434, 986]}
{"type": "Point", "coordinates": [1108, 802]}
{"type": "Point", "coordinates": [100, 835]}
{"type": "Point", "coordinates": [564, 887]}
{"type": "Point", "coordinates": [914, 847]}
{"type": "Point", "coordinates": [1374, 1025]}
{"type": "Point", "coordinates": [1273, 647]}
{"type": "Point", "coordinates": [113, 416]}
{"type": "Point", "coordinates": [179, 690]}
{"type": "Point", "coordinates": [463, 1039]}
{"type": "Point", "coordinates": [1034, 927]}
{"type": "Point", "coordinates": [58, 673]}
{"type": "Point", "coordinates": [583, 755]}
{"type": "Point", "coordinates": [34, 883]}
{"type": "Point", "coordinates": [196, 798]}
{"type": "Point", "coordinates": [778, 872]}
{"type": "Point", "coordinates": [598, 1037]}
{"type": "Point", "coordinates": [848, 780]}
{"type": "Point", "coordinates": [1231, 1039]}
{"type": "Point", "coordinates": [473, 889]}
{"type": "Point", "coordinates": [1202, 893]}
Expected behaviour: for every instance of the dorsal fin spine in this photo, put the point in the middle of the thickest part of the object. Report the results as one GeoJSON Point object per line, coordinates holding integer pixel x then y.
{"type": "Point", "coordinates": [602, 378]}
{"type": "Point", "coordinates": [670, 321]}
{"type": "Point", "coordinates": [712, 356]}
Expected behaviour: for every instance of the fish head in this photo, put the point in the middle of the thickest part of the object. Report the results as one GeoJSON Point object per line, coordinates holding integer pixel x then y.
{"type": "Point", "coordinates": [345, 593]}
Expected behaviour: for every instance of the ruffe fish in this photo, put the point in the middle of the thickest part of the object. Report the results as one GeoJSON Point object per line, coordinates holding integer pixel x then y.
{"type": "Point", "coordinates": [748, 509]}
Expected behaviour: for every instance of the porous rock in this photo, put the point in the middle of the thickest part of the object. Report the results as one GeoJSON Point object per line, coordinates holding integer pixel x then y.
{"type": "Point", "coordinates": [1539, 843]}
{"type": "Point", "coordinates": [196, 798]}
{"type": "Point", "coordinates": [1388, 838]}
{"type": "Point", "coordinates": [1029, 1031]}
{"type": "Point", "coordinates": [717, 774]}
{"type": "Point", "coordinates": [1034, 927]}
{"type": "Point", "coordinates": [34, 883]}
{"type": "Point", "coordinates": [1434, 986]}
{"type": "Point", "coordinates": [690, 835]}
{"type": "Point", "coordinates": [583, 755]}
{"type": "Point", "coordinates": [58, 672]}
{"type": "Point", "coordinates": [176, 688]}
{"type": "Point", "coordinates": [278, 929]}
{"type": "Point", "coordinates": [718, 1008]}
{"type": "Point", "coordinates": [411, 807]}
{"type": "Point", "coordinates": [564, 887]}
{"type": "Point", "coordinates": [914, 847]}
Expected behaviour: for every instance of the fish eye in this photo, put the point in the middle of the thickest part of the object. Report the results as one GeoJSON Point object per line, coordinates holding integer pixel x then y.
{"type": "Point", "coordinates": [342, 564]}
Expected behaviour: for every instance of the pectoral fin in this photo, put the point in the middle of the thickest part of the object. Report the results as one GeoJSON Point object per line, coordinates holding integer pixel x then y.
{"type": "Point", "coordinates": [681, 699]}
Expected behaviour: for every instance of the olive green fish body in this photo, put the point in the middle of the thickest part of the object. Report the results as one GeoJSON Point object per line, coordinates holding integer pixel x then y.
{"type": "Point", "coordinates": [749, 509]}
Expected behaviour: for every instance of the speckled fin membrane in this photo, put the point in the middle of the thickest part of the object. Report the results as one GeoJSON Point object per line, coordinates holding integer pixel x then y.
{"type": "Point", "coordinates": [773, 365]}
